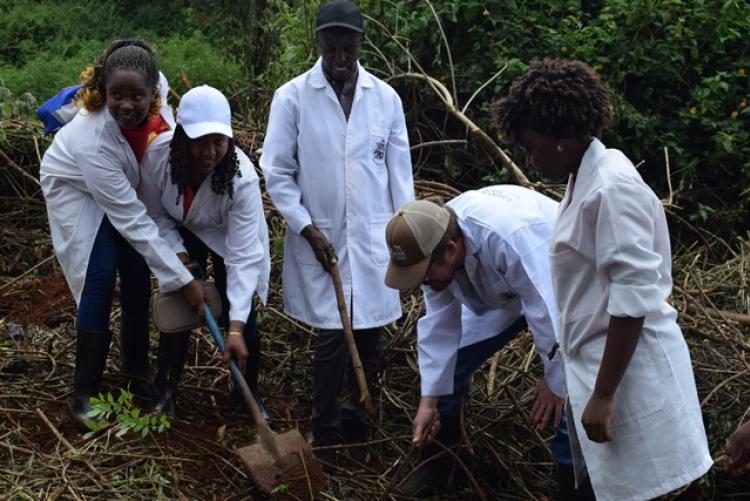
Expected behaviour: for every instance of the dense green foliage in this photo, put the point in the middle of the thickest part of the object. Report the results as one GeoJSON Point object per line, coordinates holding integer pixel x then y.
{"type": "Point", "coordinates": [678, 70]}
{"type": "Point", "coordinates": [45, 45]}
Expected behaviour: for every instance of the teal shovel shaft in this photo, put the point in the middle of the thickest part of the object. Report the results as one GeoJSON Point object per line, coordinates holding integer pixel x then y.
{"type": "Point", "coordinates": [266, 437]}
{"type": "Point", "coordinates": [239, 378]}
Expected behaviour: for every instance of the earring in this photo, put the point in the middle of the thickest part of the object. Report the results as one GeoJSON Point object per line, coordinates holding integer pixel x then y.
{"type": "Point", "coordinates": [559, 147]}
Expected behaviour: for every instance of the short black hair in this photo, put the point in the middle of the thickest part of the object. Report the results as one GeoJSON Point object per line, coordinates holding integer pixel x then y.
{"type": "Point", "coordinates": [558, 97]}
{"type": "Point", "coordinates": [181, 165]}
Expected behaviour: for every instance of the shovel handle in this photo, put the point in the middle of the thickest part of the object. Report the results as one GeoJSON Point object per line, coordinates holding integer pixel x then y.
{"type": "Point", "coordinates": [364, 393]}
{"type": "Point", "coordinates": [266, 437]}
{"type": "Point", "coordinates": [239, 378]}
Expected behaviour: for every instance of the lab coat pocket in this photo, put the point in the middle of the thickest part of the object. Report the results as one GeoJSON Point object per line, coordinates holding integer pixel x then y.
{"type": "Point", "coordinates": [303, 252]}
{"type": "Point", "coordinates": [642, 390]}
{"type": "Point", "coordinates": [378, 142]}
{"type": "Point", "coordinates": [378, 248]}
{"type": "Point", "coordinates": [577, 290]}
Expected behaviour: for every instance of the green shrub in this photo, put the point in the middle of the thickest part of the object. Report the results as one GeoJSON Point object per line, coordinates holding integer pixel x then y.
{"type": "Point", "coordinates": [677, 70]}
{"type": "Point", "coordinates": [202, 62]}
{"type": "Point", "coordinates": [60, 39]}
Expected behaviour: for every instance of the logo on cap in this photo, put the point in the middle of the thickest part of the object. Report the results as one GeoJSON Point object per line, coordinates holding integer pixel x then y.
{"type": "Point", "coordinates": [397, 253]}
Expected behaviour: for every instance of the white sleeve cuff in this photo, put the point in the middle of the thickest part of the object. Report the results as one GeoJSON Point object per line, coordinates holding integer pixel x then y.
{"type": "Point", "coordinates": [553, 373]}
{"type": "Point", "coordinates": [634, 301]}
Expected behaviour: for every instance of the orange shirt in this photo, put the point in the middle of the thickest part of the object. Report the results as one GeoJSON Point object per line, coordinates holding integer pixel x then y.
{"type": "Point", "coordinates": [140, 137]}
{"type": "Point", "coordinates": [188, 195]}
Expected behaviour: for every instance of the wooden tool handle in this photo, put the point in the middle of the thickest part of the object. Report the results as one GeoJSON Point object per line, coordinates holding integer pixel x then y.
{"type": "Point", "coordinates": [364, 393]}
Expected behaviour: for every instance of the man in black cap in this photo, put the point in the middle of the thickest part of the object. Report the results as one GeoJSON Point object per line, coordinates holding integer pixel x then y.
{"type": "Point", "coordinates": [337, 165]}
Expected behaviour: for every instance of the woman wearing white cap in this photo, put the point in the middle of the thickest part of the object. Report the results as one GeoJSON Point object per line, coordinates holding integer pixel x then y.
{"type": "Point", "coordinates": [203, 193]}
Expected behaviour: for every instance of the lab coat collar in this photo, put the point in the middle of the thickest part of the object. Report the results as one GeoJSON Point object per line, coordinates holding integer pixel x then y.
{"type": "Point", "coordinates": [318, 79]}
{"type": "Point", "coordinates": [471, 251]}
{"type": "Point", "coordinates": [111, 124]}
{"type": "Point", "coordinates": [591, 157]}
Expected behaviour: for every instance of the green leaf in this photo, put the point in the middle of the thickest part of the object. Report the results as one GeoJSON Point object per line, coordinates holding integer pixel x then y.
{"type": "Point", "coordinates": [279, 489]}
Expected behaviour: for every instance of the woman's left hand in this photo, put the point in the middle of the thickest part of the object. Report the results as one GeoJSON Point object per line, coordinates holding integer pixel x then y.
{"type": "Point", "coordinates": [596, 418]}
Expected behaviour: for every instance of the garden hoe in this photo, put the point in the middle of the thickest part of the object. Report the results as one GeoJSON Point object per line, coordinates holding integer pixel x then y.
{"type": "Point", "coordinates": [275, 458]}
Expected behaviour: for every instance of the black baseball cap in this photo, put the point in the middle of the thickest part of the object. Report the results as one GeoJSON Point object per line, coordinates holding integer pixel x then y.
{"type": "Point", "coordinates": [340, 13]}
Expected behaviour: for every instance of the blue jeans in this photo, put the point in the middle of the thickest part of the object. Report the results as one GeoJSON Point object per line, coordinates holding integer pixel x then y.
{"type": "Point", "coordinates": [111, 254]}
{"type": "Point", "coordinates": [469, 359]}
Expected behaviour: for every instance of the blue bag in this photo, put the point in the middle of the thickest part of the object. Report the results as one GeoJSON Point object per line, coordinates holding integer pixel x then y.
{"type": "Point", "coordinates": [59, 109]}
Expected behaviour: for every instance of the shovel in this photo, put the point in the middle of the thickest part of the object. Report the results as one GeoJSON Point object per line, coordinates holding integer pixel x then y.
{"type": "Point", "coordinates": [364, 393]}
{"type": "Point", "coordinates": [274, 458]}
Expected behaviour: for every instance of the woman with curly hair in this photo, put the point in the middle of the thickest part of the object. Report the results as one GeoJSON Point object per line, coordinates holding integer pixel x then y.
{"type": "Point", "coordinates": [99, 227]}
{"type": "Point", "coordinates": [204, 195]}
{"type": "Point", "coordinates": [631, 391]}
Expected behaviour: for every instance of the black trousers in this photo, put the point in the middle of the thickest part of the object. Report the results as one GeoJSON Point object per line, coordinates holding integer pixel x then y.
{"type": "Point", "coordinates": [332, 369]}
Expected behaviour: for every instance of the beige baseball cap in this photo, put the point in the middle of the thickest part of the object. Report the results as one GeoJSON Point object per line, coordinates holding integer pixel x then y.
{"type": "Point", "coordinates": [411, 235]}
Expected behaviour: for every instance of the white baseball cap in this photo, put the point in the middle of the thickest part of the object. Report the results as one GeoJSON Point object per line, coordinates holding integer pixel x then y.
{"type": "Point", "coordinates": [204, 110]}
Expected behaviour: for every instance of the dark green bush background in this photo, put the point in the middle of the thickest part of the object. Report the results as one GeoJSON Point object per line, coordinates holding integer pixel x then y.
{"type": "Point", "coordinates": [678, 70]}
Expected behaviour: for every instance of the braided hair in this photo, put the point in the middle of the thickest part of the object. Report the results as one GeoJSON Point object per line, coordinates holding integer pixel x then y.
{"type": "Point", "coordinates": [181, 166]}
{"type": "Point", "coordinates": [556, 97]}
{"type": "Point", "coordinates": [133, 54]}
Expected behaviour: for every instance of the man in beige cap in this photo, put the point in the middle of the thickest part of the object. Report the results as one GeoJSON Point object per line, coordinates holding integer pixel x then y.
{"type": "Point", "coordinates": [482, 262]}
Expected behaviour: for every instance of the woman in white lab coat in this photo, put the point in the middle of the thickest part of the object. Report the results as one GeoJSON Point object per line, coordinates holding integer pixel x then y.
{"type": "Point", "coordinates": [204, 194]}
{"type": "Point", "coordinates": [632, 396]}
{"type": "Point", "coordinates": [89, 177]}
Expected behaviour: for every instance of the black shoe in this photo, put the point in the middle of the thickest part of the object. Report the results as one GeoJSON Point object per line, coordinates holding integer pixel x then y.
{"type": "Point", "coordinates": [92, 349]}
{"type": "Point", "coordinates": [326, 436]}
{"type": "Point", "coordinates": [134, 347]}
{"type": "Point", "coordinates": [433, 477]}
{"type": "Point", "coordinates": [354, 430]}
{"type": "Point", "coordinates": [171, 359]}
{"type": "Point", "coordinates": [328, 458]}
{"type": "Point", "coordinates": [567, 485]}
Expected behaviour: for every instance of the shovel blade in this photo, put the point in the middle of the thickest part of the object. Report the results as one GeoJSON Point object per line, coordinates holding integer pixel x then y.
{"type": "Point", "coordinates": [260, 465]}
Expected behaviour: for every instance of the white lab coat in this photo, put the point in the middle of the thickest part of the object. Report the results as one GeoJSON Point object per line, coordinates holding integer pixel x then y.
{"type": "Point", "coordinates": [90, 170]}
{"type": "Point", "coordinates": [507, 231]}
{"type": "Point", "coordinates": [611, 256]}
{"type": "Point", "coordinates": [234, 228]}
{"type": "Point", "coordinates": [345, 177]}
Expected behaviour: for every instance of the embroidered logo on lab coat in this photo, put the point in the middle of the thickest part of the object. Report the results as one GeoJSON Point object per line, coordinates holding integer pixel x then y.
{"type": "Point", "coordinates": [379, 153]}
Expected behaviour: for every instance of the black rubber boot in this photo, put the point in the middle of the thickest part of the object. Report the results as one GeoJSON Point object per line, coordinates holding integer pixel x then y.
{"type": "Point", "coordinates": [171, 359]}
{"type": "Point", "coordinates": [433, 477]}
{"type": "Point", "coordinates": [567, 485]}
{"type": "Point", "coordinates": [92, 348]}
{"type": "Point", "coordinates": [134, 345]}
